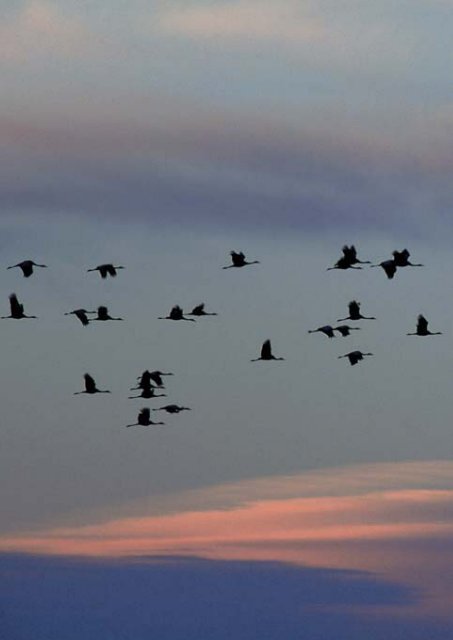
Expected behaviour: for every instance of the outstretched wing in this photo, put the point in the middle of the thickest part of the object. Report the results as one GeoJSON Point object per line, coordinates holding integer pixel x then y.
{"type": "Point", "coordinates": [390, 268]}
{"type": "Point", "coordinates": [103, 270]}
{"type": "Point", "coordinates": [102, 312]}
{"type": "Point", "coordinates": [266, 350]}
{"type": "Point", "coordinates": [27, 268]}
{"type": "Point", "coordinates": [110, 270]}
{"type": "Point", "coordinates": [422, 324]}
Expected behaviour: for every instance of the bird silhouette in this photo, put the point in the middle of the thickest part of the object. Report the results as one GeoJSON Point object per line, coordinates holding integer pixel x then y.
{"type": "Point", "coordinates": [103, 314]}
{"type": "Point", "coordinates": [327, 330]}
{"type": "Point", "coordinates": [355, 356]}
{"type": "Point", "coordinates": [81, 314]}
{"type": "Point", "coordinates": [345, 330]}
{"type": "Point", "coordinates": [173, 408]}
{"type": "Point", "coordinates": [27, 267]}
{"type": "Point", "coordinates": [238, 260]}
{"type": "Point", "coordinates": [199, 311]}
{"type": "Point", "coordinates": [354, 313]}
{"type": "Point", "coordinates": [422, 328]}
{"type": "Point", "coordinates": [266, 353]}
{"type": "Point", "coordinates": [90, 386]}
{"type": "Point", "coordinates": [343, 263]}
{"type": "Point", "coordinates": [17, 309]}
{"type": "Point", "coordinates": [148, 392]}
{"type": "Point", "coordinates": [151, 376]}
{"type": "Point", "coordinates": [106, 269]}
{"type": "Point", "coordinates": [176, 313]}
{"type": "Point", "coordinates": [143, 419]}
{"type": "Point", "coordinates": [401, 259]}
{"type": "Point", "coordinates": [389, 266]}
{"type": "Point", "coordinates": [350, 253]}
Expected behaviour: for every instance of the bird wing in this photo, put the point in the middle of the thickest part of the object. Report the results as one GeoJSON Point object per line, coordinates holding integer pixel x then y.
{"type": "Point", "coordinates": [27, 268]}
{"type": "Point", "coordinates": [266, 350]}
{"type": "Point", "coordinates": [81, 315]}
{"type": "Point", "coordinates": [103, 270]}
{"type": "Point", "coordinates": [354, 307]}
{"type": "Point", "coordinates": [102, 312]}
{"type": "Point", "coordinates": [16, 307]}
{"type": "Point", "coordinates": [90, 384]}
{"type": "Point", "coordinates": [422, 323]}
{"type": "Point", "coordinates": [198, 309]}
{"type": "Point", "coordinates": [237, 258]}
{"type": "Point", "coordinates": [390, 268]}
{"type": "Point", "coordinates": [176, 312]}
{"type": "Point", "coordinates": [110, 269]}
{"type": "Point", "coordinates": [144, 414]}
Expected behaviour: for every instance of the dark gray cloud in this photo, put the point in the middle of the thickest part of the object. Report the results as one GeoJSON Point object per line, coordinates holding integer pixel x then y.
{"type": "Point", "coordinates": [174, 598]}
{"type": "Point", "coordinates": [223, 172]}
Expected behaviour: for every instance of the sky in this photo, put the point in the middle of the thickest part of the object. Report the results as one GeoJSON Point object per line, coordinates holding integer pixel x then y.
{"type": "Point", "coordinates": [299, 499]}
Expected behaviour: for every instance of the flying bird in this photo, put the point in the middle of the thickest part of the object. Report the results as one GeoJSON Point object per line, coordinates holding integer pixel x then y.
{"type": "Point", "coordinates": [27, 267]}
{"type": "Point", "coordinates": [176, 313]}
{"type": "Point", "coordinates": [103, 314]}
{"type": "Point", "coordinates": [354, 313]}
{"type": "Point", "coordinates": [422, 328]}
{"type": "Point", "coordinates": [90, 386]}
{"type": "Point", "coordinates": [355, 356]}
{"type": "Point", "coordinates": [106, 269]}
{"type": "Point", "coordinates": [199, 311]}
{"type": "Point", "coordinates": [327, 330]}
{"type": "Point", "coordinates": [401, 259]}
{"type": "Point", "coordinates": [151, 376]}
{"type": "Point", "coordinates": [143, 419]}
{"type": "Point", "coordinates": [81, 314]}
{"type": "Point", "coordinates": [350, 253]}
{"type": "Point", "coordinates": [173, 408]}
{"type": "Point", "coordinates": [266, 352]}
{"type": "Point", "coordinates": [389, 266]}
{"type": "Point", "coordinates": [238, 260]}
{"type": "Point", "coordinates": [17, 309]}
{"type": "Point", "coordinates": [345, 330]}
{"type": "Point", "coordinates": [343, 263]}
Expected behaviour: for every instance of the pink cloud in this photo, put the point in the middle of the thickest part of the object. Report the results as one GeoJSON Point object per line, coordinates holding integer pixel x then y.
{"type": "Point", "coordinates": [390, 518]}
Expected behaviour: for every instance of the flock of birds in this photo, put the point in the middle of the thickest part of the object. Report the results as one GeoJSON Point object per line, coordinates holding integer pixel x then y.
{"type": "Point", "coordinates": [150, 381]}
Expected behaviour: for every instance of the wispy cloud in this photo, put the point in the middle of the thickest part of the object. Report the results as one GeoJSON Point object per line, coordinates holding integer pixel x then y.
{"type": "Point", "coordinates": [350, 518]}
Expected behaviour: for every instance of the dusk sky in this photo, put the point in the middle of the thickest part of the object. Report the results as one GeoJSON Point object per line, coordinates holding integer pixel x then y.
{"type": "Point", "coordinates": [299, 499]}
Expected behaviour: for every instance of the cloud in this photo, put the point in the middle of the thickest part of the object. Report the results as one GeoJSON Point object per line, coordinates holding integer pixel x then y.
{"type": "Point", "coordinates": [190, 598]}
{"type": "Point", "coordinates": [396, 519]}
{"type": "Point", "coordinates": [39, 28]}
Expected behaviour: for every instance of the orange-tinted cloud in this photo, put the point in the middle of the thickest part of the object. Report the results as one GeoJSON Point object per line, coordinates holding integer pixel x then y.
{"type": "Point", "coordinates": [395, 519]}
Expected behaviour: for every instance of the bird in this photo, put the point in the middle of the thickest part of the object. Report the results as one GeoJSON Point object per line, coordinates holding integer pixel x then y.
{"type": "Point", "coordinates": [151, 376]}
{"type": "Point", "coordinates": [238, 260]}
{"type": "Point", "coordinates": [173, 408]}
{"type": "Point", "coordinates": [17, 309]}
{"type": "Point", "coordinates": [143, 419]}
{"type": "Point", "coordinates": [327, 330]}
{"type": "Point", "coordinates": [27, 267]}
{"type": "Point", "coordinates": [343, 263]}
{"type": "Point", "coordinates": [355, 356]}
{"type": "Point", "coordinates": [90, 386]}
{"type": "Point", "coordinates": [106, 269]}
{"type": "Point", "coordinates": [148, 392]}
{"type": "Point", "coordinates": [266, 352]}
{"type": "Point", "coordinates": [401, 259]}
{"type": "Point", "coordinates": [351, 254]}
{"type": "Point", "coordinates": [103, 314]}
{"type": "Point", "coordinates": [199, 311]}
{"type": "Point", "coordinates": [345, 330]}
{"type": "Point", "coordinates": [81, 314]}
{"type": "Point", "coordinates": [422, 328]}
{"type": "Point", "coordinates": [354, 313]}
{"type": "Point", "coordinates": [389, 266]}
{"type": "Point", "coordinates": [176, 313]}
